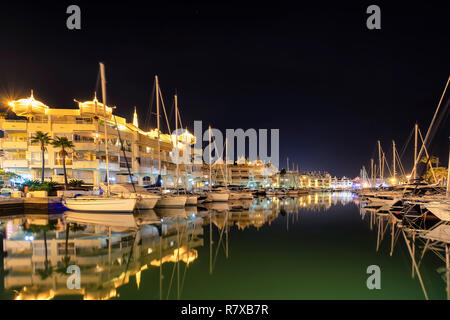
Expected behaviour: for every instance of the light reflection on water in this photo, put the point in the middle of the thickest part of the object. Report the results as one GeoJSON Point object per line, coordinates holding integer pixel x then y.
{"type": "Point", "coordinates": [164, 253]}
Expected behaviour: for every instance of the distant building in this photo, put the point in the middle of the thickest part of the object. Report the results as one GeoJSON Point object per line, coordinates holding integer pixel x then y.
{"type": "Point", "coordinates": [341, 183]}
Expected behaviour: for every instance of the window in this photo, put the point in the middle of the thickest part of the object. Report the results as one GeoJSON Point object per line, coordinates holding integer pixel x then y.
{"type": "Point", "coordinates": [112, 158]}
{"type": "Point", "coordinates": [84, 156]}
{"type": "Point", "coordinates": [59, 159]}
{"type": "Point", "coordinates": [83, 138]}
{"type": "Point", "coordinates": [19, 155]}
{"type": "Point", "coordinates": [146, 180]}
{"type": "Point", "coordinates": [145, 162]}
{"type": "Point", "coordinates": [123, 162]}
{"type": "Point", "coordinates": [80, 120]}
{"type": "Point", "coordinates": [36, 157]}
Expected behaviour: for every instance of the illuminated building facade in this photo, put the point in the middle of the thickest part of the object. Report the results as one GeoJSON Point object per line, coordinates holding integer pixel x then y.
{"type": "Point", "coordinates": [84, 126]}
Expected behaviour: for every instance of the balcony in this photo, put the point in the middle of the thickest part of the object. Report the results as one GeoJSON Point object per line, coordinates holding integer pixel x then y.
{"type": "Point", "coordinates": [15, 145]}
{"type": "Point", "coordinates": [114, 166]}
{"type": "Point", "coordinates": [15, 125]}
{"type": "Point", "coordinates": [38, 126]}
{"type": "Point", "coordinates": [85, 164]}
{"type": "Point", "coordinates": [85, 146]}
{"type": "Point", "coordinates": [15, 164]}
{"type": "Point", "coordinates": [72, 126]}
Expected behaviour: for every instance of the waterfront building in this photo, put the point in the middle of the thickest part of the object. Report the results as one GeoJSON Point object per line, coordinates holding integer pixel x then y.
{"type": "Point", "coordinates": [84, 126]}
{"type": "Point", "coordinates": [252, 174]}
{"type": "Point", "coordinates": [341, 183]}
{"type": "Point", "coordinates": [315, 180]}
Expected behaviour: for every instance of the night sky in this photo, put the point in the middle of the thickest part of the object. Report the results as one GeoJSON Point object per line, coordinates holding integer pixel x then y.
{"type": "Point", "coordinates": [330, 85]}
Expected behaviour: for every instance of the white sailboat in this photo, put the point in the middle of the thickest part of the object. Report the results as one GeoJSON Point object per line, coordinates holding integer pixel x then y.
{"type": "Point", "coordinates": [105, 203]}
{"type": "Point", "coordinates": [144, 199]}
{"type": "Point", "coordinates": [166, 200]}
{"type": "Point", "coordinates": [219, 195]}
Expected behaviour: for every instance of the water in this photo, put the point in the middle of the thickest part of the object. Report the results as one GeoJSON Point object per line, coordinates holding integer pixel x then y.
{"type": "Point", "coordinates": [313, 247]}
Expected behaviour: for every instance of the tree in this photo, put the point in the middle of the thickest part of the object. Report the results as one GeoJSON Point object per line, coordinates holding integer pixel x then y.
{"type": "Point", "coordinates": [433, 160]}
{"type": "Point", "coordinates": [37, 230]}
{"type": "Point", "coordinates": [43, 139]}
{"type": "Point", "coordinates": [441, 174]}
{"type": "Point", "coordinates": [64, 144]}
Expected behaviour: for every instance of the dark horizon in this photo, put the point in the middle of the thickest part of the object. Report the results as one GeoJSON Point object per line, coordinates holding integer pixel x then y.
{"type": "Point", "coordinates": [330, 85]}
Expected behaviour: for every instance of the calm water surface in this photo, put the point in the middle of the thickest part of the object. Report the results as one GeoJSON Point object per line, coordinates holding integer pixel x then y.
{"type": "Point", "coordinates": [316, 246]}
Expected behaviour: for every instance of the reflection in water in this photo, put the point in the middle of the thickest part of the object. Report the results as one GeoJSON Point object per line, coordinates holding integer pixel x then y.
{"type": "Point", "coordinates": [117, 251]}
{"type": "Point", "coordinates": [417, 241]}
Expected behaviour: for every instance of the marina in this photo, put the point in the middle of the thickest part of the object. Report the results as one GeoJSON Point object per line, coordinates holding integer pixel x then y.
{"type": "Point", "coordinates": [214, 253]}
{"type": "Point", "coordinates": [224, 160]}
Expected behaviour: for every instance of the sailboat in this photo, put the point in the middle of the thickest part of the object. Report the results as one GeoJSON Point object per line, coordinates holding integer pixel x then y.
{"type": "Point", "coordinates": [216, 195]}
{"type": "Point", "coordinates": [105, 203]}
{"type": "Point", "coordinates": [191, 199]}
{"type": "Point", "coordinates": [145, 199]}
{"type": "Point", "coordinates": [166, 200]}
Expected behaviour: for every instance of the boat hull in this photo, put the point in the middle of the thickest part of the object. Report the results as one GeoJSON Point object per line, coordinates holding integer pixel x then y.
{"type": "Point", "coordinates": [172, 202]}
{"type": "Point", "coordinates": [146, 203]}
{"type": "Point", "coordinates": [191, 200]}
{"type": "Point", "coordinates": [218, 196]}
{"type": "Point", "coordinates": [100, 204]}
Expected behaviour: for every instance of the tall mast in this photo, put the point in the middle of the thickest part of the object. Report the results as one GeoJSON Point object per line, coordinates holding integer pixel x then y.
{"type": "Point", "coordinates": [210, 155]}
{"type": "Point", "coordinates": [226, 162]}
{"type": "Point", "coordinates": [379, 159]}
{"type": "Point", "coordinates": [102, 75]}
{"type": "Point", "coordinates": [448, 176]}
{"type": "Point", "coordinates": [157, 121]}
{"type": "Point", "coordinates": [287, 162]}
{"type": "Point", "coordinates": [393, 159]}
{"type": "Point", "coordinates": [415, 150]}
{"type": "Point", "coordinates": [176, 136]}
{"type": "Point", "coordinates": [371, 173]}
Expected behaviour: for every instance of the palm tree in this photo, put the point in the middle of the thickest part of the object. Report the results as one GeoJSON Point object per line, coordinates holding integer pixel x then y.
{"type": "Point", "coordinates": [43, 139]}
{"type": "Point", "coordinates": [63, 143]}
{"type": "Point", "coordinates": [37, 229]}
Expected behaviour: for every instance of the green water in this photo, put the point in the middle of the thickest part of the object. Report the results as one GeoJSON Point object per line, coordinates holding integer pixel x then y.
{"type": "Point", "coordinates": [312, 247]}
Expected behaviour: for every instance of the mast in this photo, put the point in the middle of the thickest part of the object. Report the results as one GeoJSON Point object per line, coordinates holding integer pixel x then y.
{"type": "Point", "coordinates": [371, 172]}
{"type": "Point", "coordinates": [102, 75]}
{"type": "Point", "coordinates": [210, 155]}
{"type": "Point", "coordinates": [448, 176]}
{"type": "Point", "coordinates": [176, 136]}
{"type": "Point", "coordinates": [379, 159]}
{"type": "Point", "coordinates": [226, 162]}
{"type": "Point", "coordinates": [157, 121]}
{"type": "Point", "coordinates": [287, 166]}
{"type": "Point", "coordinates": [393, 159]}
{"type": "Point", "coordinates": [415, 150]}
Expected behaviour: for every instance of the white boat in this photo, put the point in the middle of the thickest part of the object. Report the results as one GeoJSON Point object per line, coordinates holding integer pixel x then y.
{"type": "Point", "coordinates": [145, 199]}
{"type": "Point", "coordinates": [172, 201]}
{"type": "Point", "coordinates": [245, 195]}
{"type": "Point", "coordinates": [234, 195]}
{"type": "Point", "coordinates": [191, 200]}
{"type": "Point", "coordinates": [119, 222]}
{"type": "Point", "coordinates": [440, 209]}
{"type": "Point", "coordinates": [217, 196]}
{"type": "Point", "coordinates": [100, 204]}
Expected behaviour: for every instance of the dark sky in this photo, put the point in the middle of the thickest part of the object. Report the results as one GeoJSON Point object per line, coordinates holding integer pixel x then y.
{"type": "Point", "coordinates": [316, 72]}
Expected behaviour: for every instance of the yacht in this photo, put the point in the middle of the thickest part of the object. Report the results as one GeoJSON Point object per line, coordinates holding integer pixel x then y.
{"type": "Point", "coordinates": [145, 199]}
{"type": "Point", "coordinates": [105, 203]}
{"type": "Point", "coordinates": [100, 204]}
